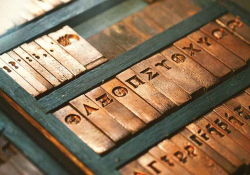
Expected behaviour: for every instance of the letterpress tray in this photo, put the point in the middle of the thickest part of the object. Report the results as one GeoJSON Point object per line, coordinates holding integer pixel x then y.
{"type": "Point", "coordinates": [38, 112]}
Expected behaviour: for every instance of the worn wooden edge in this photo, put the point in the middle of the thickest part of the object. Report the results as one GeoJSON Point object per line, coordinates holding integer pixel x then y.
{"type": "Point", "coordinates": [177, 120]}
{"type": "Point", "coordinates": [129, 58]}
{"type": "Point", "coordinates": [31, 150]}
{"type": "Point", "coordinates": [78, 9]}
{"type": "Point", "coordinates": [236, 10]}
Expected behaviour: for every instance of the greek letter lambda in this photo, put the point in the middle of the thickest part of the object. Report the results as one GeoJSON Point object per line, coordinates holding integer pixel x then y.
{"type": "Point", "coordinates": [89, 109]}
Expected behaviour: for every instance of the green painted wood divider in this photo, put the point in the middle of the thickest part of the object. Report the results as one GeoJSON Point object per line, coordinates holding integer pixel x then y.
{"type": "Point", "coordinates": [106, 164]}
{"type": "Point", "coordinates": [31, 150]}
{"type": "Point", "coordinates": [177, 120]}
{"type": "Point", "coordinates": [74, 11]}
{"type": "Point", "coordinates": [129, 58]}
{"type": "Point", "coordinates": [236, 10]}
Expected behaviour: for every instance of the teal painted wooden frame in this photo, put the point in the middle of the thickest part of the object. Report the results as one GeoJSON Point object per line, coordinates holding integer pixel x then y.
{"type": "Point", "coordinates": [108, 163]}
{"type": "Point", "coordinates": [75, 11]}
{"type": "Point", "coordinates": [129, 58]}
{"type": "Point", "coordinates": [27, 146]}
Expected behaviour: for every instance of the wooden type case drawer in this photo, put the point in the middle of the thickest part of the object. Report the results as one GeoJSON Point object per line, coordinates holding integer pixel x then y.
{"type": "Point", "coordinates": [126, 79]}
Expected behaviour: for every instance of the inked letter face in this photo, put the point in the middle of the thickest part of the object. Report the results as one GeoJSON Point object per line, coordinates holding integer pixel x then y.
{"type": "Point", "coordinates": [150, 73]}
{"type": "Point", "coordinates": [195, 139]}
{"type": "Point", "coordinates": [135, 81]}
{"type": "Point", "coordinates": [89, 109]}
{"type": "Point", "coordinates": [68, 39]}
{"type": "Point", "coordinates": [190, 151]}
{"type": "Point", "coordinates": [234, 24]}
{"type": "Point", "coordinates": [222, 125]}
{"type": "Point", "coordinates": [72, 119]}
{"type": "Point", "coordinates": [192, 49]}
{"type": "Point", "coordinates": [232, 119]}
{"type": "Point", "coordinates": [219, 33]}
{"type": "Point", "coordinates": [204, 40]}
{"type": "Point", "coordinates": [212, 130]}
{"type": "Point", "coordinates": [203, 134]}
{"type": "Point", "coordinates": [13, 64]}
{"type": "Point", "coordinates": [240, 111]}
{"type": "Point", "coordinates": [181, 156]}
{"type": "Point", "coordinates": [120, 91]}
{"type": "Point", "coordinates": [178, 58]}
{"type": "Point", "coordinates": [167, 160]}
{"type": "Point", "coordinates": [7, 69]}
{"type": "Point", "coordinates": [163, 63]}
{"type": "Point", "coordinates": [104, 100]}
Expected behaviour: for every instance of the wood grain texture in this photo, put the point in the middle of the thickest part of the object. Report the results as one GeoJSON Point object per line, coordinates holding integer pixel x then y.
{"type": "Point", "coordinates": [83, 9]}
{"type": "Point", "coordinates": [124, 61]}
